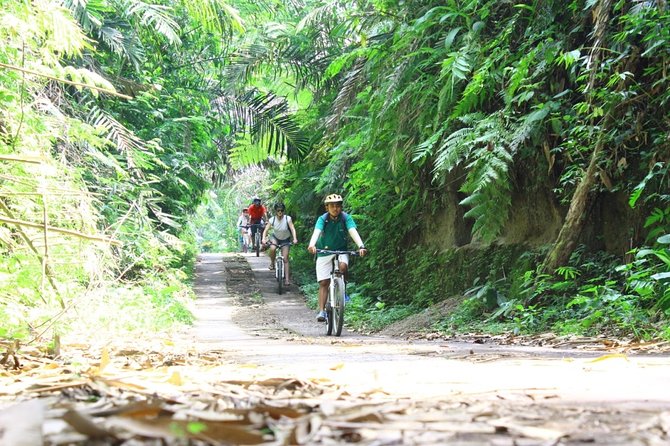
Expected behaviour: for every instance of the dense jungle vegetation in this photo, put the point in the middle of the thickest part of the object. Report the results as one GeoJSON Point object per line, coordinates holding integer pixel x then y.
{"type": "Point", "coordinates": [510, 157]}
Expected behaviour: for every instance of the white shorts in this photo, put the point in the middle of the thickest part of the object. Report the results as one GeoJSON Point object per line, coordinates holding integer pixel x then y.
{"type": "Point", "coordinates": [324, 265]}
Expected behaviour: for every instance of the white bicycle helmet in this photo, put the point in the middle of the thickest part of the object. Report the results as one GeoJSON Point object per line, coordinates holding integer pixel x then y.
{"type": "Point", "coordinates": [333, 198]}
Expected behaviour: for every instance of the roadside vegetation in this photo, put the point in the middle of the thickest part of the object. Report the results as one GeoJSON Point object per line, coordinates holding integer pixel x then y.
{"type": "Point", "coordinates": [511, 157]}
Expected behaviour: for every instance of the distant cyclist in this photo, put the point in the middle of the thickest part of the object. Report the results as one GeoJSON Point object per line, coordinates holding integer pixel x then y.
{"type": "Point", "coordinates": [243, 227]}
{"type": "Point", "coordinates": [283, 231]}
{"type": "Point", "coordinates": [332, 231]}
{"type": "Point", "coordinates": [257, 215]}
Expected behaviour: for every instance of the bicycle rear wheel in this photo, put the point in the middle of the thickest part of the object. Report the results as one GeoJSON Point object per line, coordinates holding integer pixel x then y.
{"type": "Point", "coordinates": [338, 309]}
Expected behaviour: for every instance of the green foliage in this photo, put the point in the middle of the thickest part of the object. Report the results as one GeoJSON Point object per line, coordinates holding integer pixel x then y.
{"type": "Point", "coordinates": [269, 121]}
{"type": "Point", "coordinates": [80, 163]}
{"type": "Point", "coordinates": [160, 306]}
{"type": "Point", "coordinates": [648, 276]}
{"type": "Point", "coordinates": [413, 109]}
{"type": "Point", "coordinates": [468, 318]}
{"type": "Point", "coordinates": [366, 315]}
{"type": "Point", "coordinates": [170, 308]}
{"type": "Point", "coordinates": [459, 98]}
{"type": "Point", "coordinates": [215, 221]}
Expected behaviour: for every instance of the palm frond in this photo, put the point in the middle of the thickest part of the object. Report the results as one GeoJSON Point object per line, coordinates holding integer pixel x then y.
{"type": "Point", "coordinates": [109, 25]}
{"type": "Point", "coordinates": [261, 9]}
{"type": "Point", "coordinates": [88, 13]}
{"type": "Point", "coordinates": [126, 142]}
{"type": "Point", "coordinates": [352, 85]}
{"type": "Point", "coordinates": [215, 16]}
{"type": "Point", "coordinates": [319, 16]}
{"type": "Point", "coordinates": [60, 33]}
{"type": "Point", "coordinates": [285, 55]}
{"type": "Point", "coordinates": [156, 16]}
{"type": "Point", "coordinates": [268, 120]}
{"type": "Point", "coordinates": [122, 41]}
{"type": "Point", "coordinates": [245, 62]}
{"type": "Point", "coordinates": [244, 153]}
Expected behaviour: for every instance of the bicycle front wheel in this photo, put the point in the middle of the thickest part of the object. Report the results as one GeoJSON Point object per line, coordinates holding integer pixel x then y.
{"type": "Point", "coordinates": [338, 306]}
{"type": "Point", "coordinates": [280, 275]}
{"type": "Point", "coordinates": [329, 311]}
{"type": "Point", "coordinates": [257, 244]}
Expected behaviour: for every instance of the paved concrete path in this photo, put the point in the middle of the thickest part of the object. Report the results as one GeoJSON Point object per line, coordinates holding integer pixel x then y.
{"type": "Point", "coordinates": [279, 332]}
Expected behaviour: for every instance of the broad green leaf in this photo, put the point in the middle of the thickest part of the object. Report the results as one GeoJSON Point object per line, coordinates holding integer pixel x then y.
{"type": "Point", "coordinates": [451, 36]}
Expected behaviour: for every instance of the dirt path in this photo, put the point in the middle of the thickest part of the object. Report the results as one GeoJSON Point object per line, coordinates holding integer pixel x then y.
{"type": "Point", "coordinates": [258, 369]}
{"type": "Point", "coordinates": [460, 393]}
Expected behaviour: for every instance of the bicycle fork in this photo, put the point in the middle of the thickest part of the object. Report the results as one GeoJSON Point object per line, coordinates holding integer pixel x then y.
{"type": "Point", "coordinates": [335, 283]}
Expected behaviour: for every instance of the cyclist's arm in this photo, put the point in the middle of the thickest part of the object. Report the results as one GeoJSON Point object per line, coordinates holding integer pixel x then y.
{"type": "Point", "coordinates": [265, 233]}
{"type": "Point", "coordinates": [357, 239]}
{"type": "Point", "coordinates": [292, 229]}
{"type": "Point", "coordinates": [312, 242]}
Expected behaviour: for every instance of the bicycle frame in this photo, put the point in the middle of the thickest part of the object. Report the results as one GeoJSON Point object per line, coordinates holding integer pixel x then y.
{"type": "Point", "coordinates": [280, 268]}
{"type": "Point", "coordinates": [257, 237]}
{"type": "Point", "coordinates": [335, 304]}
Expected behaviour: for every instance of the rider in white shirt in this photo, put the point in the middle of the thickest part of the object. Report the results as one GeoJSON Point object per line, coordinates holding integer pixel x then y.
{"type": "Point", "coordinates": [283, 231]}
{"type": "Point", "coordinates": [243, 226]}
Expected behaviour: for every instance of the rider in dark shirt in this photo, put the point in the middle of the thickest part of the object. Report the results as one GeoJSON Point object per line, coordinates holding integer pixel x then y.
{"type": "Point", "coordinates": [330, 232]}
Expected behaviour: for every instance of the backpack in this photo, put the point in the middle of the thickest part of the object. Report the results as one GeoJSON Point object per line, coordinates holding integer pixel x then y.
{"type": "Point", "coordinates": [273, 220]}
{"type": "Point", "coordinates": [326, 219]}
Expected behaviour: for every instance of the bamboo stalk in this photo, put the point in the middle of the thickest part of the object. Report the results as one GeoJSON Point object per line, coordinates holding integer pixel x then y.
{"type": "Point", "coordinates": [22, 159]}
{"type": "Point", "coordinates": [65, 81]}
{"type": "Point", "coordinates": [45, 257]}
{"type": "Point", "coordinates": [21, 180]}
{"type": "Point", "coordinates": [25, 237]}
{"type": "Point", "coordinates": [60, 230]}
{"type": "Point", "coordinates": [61, 194]}
{"type": "Point", "coordinates": [45, 248]}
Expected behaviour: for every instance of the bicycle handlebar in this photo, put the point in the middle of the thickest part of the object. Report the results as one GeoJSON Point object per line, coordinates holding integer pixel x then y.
{"type": "Point", "coordinates": [329, 251]}
{"type": "Point", "coordinates": [279, 245]}
{"type": "Point", "coordinates": [250, 226]}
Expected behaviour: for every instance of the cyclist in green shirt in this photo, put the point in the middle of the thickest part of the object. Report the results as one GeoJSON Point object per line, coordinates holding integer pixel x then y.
{"type": "Point", "coordinates": [332, 231]}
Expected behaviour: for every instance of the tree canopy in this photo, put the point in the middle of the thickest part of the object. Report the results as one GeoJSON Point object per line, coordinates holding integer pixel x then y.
{"type": "Point", "coordinates": [512, 152]}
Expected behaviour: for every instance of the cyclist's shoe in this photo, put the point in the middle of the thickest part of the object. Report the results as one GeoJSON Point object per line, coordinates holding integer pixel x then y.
{"type": "Point", "coordinates": [321, 317]}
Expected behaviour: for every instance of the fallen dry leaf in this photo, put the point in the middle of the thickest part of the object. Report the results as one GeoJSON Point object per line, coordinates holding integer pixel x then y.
{"type": "Point", "coordinates": [610, 356]}
{"type": "Point", "coordinates": [176, 379]}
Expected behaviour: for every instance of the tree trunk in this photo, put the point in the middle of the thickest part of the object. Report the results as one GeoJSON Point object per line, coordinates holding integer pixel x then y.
{"type": "Point", "coordinates": [574, 221]}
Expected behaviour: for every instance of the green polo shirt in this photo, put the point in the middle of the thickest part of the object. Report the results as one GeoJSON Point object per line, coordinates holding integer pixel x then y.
{"type": "Point", "coordinates": [334, 235]}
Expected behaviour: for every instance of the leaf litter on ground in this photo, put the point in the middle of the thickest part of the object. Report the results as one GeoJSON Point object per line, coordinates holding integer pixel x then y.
{"type": "Point", "coordinates": [165, 393]}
